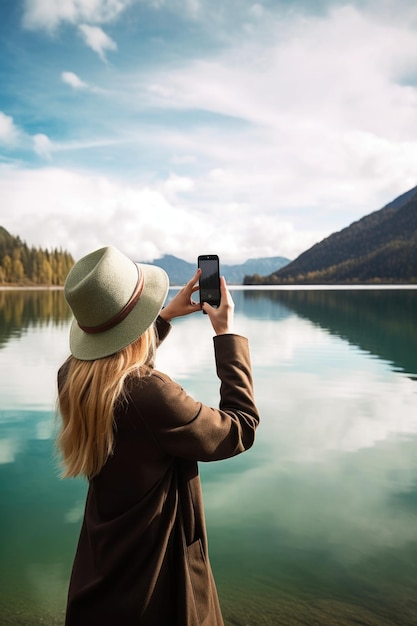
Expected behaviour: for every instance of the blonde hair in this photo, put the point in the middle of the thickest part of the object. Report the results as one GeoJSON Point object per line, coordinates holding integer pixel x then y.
{"type": "Point", "coordinates": [87, 399]}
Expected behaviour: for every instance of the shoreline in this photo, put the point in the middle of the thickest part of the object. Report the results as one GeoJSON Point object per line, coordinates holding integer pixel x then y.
{"type": "Point", "coordinates": [31, 287]}
{"type": "Point", "coordinates": [270, 287]}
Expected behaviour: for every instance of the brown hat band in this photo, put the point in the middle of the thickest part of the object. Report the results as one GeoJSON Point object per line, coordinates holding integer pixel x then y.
{"type": "Point", "coordinates": [114, 321]}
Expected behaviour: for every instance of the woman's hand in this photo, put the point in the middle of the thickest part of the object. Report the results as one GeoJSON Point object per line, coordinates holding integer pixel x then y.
{"type": "Point", "coordinates": [221, 318]}
{"type": "Point", "coordinates": [182, 303]}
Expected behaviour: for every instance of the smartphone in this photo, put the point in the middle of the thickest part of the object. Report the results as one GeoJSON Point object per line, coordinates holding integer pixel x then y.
{"type": "Point", "coordinates": [209, 279]}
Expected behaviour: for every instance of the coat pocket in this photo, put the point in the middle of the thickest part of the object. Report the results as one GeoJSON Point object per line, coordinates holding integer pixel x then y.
{"type": "Point", "coordinates": [200, 579]}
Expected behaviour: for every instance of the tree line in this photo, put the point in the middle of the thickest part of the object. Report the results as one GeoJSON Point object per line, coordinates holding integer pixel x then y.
{"type": "Point", "coordinates": [31, 266]}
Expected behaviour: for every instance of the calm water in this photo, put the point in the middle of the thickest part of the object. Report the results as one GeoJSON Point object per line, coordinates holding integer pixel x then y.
{"type": "Point", "coordinates": [316, 525]}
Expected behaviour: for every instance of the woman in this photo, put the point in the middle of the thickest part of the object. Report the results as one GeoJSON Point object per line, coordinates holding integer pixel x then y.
{"type": "Point", "coordinates": [142, 556]}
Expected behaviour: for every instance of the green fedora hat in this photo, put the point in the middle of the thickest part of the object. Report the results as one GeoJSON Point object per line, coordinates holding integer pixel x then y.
{"type": "Point", "coordinates": [113, 300]}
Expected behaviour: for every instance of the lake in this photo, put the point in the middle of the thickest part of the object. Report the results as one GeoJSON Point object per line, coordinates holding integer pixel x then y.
{"type": "Point", "coordinates": [315, 525]}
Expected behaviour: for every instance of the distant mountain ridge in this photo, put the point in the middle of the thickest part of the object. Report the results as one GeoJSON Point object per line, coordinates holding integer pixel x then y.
{"type": "Point", "coordinates": [379, 248]}
{"type": "Point", "coordinates": [21, 265]}
{"type": "Point", "coordinates": [180, 271]}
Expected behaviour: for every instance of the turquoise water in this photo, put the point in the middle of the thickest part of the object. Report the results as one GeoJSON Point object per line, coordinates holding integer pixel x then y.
{"type": "Point", "coordinates": [317, 524]}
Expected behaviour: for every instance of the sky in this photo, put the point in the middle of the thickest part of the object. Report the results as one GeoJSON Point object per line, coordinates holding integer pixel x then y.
{"type": "Point", "coordinates": [247, 129]}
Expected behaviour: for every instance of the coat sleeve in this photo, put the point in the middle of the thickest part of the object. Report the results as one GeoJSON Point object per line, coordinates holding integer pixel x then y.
{"type": "Point", "coordinates": [162, 329]}
{"type": "Point", "coordinates": [188, 429]}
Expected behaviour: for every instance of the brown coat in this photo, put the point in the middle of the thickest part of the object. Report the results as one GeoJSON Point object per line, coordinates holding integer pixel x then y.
{"type": "Point", "coordinates": [142, 557]}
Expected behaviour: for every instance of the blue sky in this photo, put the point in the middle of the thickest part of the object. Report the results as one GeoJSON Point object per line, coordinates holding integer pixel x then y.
{"type": "Point", "coordinates": [245, 128]}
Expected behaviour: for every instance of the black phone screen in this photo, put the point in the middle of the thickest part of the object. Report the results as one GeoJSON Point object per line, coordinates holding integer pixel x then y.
{"type": "Point", "coordinates": [209, 279]}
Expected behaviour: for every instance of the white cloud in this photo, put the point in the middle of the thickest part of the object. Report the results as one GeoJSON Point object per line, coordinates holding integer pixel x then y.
{"type": "Point", "coordinates": [340, 71]}
{"type": "Point", "coordinates": [42, 145]}
{"type": "Point", "coordinates": [49, 14]}
{"type": "Point", "coordinates": [82, 211]}
{"type": "Point", "coordinates": [256, 10]}
{"type": "Point", "coordinates": [73, 80]}
{"type": "Point", "coordinates": [96, 39]}
{"type": "Point", "coordinates": [327, 116]}
{"type": "Point", "coordinates": [9, 133]}
{"type": "Point", "coordinates": [181, 159]}
{"type": "Point", "coordinates": [177, 184]}
{"type": "Point", "coordinates": [295, 131]}
{"type": "Point", "coordinates": [13, 138]}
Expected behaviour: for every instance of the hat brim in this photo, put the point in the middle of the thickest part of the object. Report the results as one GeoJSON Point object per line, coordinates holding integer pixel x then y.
{"type": "Point", "coordinates": [91, 346]}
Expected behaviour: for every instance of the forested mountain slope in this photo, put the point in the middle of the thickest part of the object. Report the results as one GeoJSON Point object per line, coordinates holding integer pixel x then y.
{"type": "Point", "coordinates": [380, 247]}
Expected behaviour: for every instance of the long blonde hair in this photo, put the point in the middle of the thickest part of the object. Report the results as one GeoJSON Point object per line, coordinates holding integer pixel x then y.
{"type": "Point", "coordinates": [87, 399]}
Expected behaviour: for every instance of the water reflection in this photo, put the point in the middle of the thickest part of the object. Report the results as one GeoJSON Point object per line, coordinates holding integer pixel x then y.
{"type": "Point", "coordinates": [380, 321]}
{"type": "Point", "coordinates": [315, 525]}
{"type": "Point", "coordinates": [24, 308]}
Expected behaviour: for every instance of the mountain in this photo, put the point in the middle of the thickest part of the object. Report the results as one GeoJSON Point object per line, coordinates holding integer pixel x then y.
{"type": "Point", "coordinates": [21, 265]}
{"type": "Point", "coordinates": [379, 248]}
{"type": "Point", "coordinates": [179, 271]}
